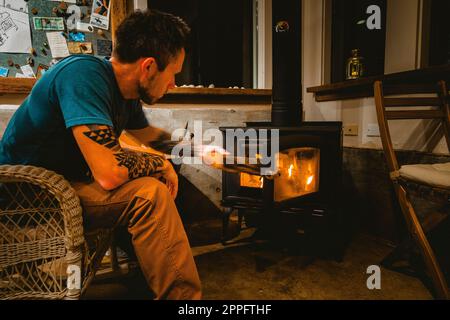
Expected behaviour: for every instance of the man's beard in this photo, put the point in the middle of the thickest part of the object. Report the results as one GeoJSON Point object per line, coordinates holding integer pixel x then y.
{"type": "Point", "coordinates": [143, 92]}
{"type": "Point", "coordinates": [144, 96]}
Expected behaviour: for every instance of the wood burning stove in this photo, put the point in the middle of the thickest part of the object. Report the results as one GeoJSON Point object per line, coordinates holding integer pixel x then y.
{"type": "Point", "coordinates": [303, 197]}
{"type": "Point", "coordinates": [302, 200]}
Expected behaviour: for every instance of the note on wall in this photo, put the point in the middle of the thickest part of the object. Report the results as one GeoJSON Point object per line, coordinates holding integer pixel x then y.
{"type": "Point", "coordinates": [15, 34]}
{"type": "Point", "coordinates": [58, 45]}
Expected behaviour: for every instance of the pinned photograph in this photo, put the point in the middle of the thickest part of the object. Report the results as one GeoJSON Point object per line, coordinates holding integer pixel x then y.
{"type": "Point", "coordinates": [100, 14]}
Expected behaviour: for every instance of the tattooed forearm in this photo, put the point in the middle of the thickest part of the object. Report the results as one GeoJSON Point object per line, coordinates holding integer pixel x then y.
{"type": "Point", "coordinates": [103, 136]}
{"type": "Point", "coordinates": [139, 164]}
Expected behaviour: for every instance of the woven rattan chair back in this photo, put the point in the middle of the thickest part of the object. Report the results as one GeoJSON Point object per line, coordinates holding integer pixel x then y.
{"type": "Point", "coordinates": [43, 250]}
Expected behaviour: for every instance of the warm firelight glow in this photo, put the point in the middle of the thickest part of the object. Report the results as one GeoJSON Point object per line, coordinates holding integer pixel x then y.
{"type": "Point", "coordinates": [290, 170]}
{"type": "Point", "coordinates": [310, 180]}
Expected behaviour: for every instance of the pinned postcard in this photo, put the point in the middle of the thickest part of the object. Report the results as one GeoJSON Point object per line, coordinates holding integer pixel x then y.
{"type": "Point", "coordinates": [20, 75]}
{"type": "Point", "coordinates": [15, 34]}
{"type": "Point", "coordinates": [58, 45]}
{"type": "Point", "coordinates": [4, 72]}
{"type": "Point", "coordinates": [100, 14]}
{"type": "Point", "coordinates": [80, 47]}
{"type": "Point", "coordinates": [27, 70]}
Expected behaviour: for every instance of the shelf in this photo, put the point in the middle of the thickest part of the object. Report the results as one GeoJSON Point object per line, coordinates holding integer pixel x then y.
{"type": "Point", "coordinates": [363, 88]}
{"type": "Point", "coordinates": [218, 96]}
{"type": "Point", "coordinates": [177, 95]}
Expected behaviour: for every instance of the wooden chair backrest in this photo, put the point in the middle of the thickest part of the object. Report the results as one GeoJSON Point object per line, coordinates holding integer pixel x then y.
{"type": "Point", "coordinates": [439, 110]}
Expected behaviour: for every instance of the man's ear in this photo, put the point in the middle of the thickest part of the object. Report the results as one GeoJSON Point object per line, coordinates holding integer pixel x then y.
{"type": "Point", "coordinates": [149, 66]}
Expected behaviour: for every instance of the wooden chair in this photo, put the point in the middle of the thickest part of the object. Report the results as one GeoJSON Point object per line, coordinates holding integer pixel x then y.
{"type": "Point", "coordinates": [429, 181]}
{"type": "Point", "coordinates": [42, 240]}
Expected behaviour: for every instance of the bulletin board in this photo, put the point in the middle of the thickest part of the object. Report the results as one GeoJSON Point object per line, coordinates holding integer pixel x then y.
{"type": "Point", "coordinates": [42, 55]}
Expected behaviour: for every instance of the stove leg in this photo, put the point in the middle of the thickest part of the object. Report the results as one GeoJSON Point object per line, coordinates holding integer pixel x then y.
{"type": "Point", "coordinates": [240, 218]}
{"type": "Point", "coordinates": [226, 211]}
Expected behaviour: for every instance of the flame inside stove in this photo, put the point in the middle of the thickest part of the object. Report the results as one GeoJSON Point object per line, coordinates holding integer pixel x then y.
{"type": "Point", "coordinates": [251, 181]}
{"type": "Point", "coordinates": [298, 173]}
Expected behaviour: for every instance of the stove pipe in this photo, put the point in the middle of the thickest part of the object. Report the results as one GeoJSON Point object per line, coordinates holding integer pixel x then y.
{"type": "Point", "coordinates": [286, 55]}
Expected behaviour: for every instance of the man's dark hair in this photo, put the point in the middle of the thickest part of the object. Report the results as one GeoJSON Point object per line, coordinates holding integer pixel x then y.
{"type": "Point", "coordinates": [150, 33]}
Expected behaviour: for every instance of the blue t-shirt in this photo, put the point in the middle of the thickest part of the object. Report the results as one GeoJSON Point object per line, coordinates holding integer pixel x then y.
{"type": "Point", "coordinates": [79, 90]}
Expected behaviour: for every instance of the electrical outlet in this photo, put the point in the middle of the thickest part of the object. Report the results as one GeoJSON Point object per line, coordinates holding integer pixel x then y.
{"type": "Point", "coordinates": [351, 130]}
{"type": "Point", "coordinates": [373, 130]}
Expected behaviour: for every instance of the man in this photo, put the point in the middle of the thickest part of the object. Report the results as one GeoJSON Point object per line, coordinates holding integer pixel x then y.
{"type": "Point", "coordinates": [71, 122]}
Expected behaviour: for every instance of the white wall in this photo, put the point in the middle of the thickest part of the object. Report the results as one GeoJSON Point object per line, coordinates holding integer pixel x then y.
{"type": "Point", "coordinates": [402, 54]}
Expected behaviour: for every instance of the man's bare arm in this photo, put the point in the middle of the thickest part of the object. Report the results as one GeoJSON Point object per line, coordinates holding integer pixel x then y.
{"type": "Point", "coordinates": [148, 135]}
{"type": "Point", "coordinates": [111, 165]}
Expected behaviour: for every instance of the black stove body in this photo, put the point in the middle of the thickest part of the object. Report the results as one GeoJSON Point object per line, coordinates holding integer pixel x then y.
{"type": "Point", "coordinates": [301, 204]}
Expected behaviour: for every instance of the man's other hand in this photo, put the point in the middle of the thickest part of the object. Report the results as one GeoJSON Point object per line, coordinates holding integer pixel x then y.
{"type": "Point", "coordinates": [170, 178]}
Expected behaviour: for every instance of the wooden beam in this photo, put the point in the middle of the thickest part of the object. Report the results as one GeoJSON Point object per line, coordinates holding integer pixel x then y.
{"type": "Point", "coordinates": [16, 85]}
{"type": "Point", "coordinates": [414, 114]}
{"type": "Point", "coordinates": [118, 14]}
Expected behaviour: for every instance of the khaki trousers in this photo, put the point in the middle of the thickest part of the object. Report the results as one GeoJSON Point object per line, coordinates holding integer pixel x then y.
{"type": "Point", "coordinates": [146, 209]}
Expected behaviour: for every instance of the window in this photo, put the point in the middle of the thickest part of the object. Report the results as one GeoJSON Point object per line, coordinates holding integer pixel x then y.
{"type": "Point", "coordinates": [439, 33]}
{"type": "Point", "coordinates": [350, 31]}
{"type": "Point", "coordinates": [221, 44]}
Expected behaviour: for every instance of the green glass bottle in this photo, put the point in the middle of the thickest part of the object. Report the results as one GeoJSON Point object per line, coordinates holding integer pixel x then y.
{"type": "Point", "coordinates": [355, 66]}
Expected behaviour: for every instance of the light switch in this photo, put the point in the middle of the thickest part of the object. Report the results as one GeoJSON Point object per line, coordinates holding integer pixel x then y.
{"type": "Point", "coordinates": [373, 130]}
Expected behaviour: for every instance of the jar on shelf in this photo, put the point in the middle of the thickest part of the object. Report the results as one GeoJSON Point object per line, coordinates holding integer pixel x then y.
{"type": "Point", "coordinates": [355, 66]}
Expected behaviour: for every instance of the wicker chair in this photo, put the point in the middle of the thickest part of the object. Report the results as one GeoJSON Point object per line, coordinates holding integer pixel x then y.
{"type": "Point", "coordinates": [44, 252]}
{"type": "Point", "coordinates": [427, 181]}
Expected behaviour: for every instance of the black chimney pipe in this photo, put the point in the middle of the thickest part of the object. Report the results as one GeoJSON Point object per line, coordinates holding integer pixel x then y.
{"type": "Point", "coordinates": [287, 58]}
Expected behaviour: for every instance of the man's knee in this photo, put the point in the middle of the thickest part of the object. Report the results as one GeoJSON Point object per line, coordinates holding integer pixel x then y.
{"type": "Point", "coordinates": [146, 197]}
{"type": "Point", "coordinates": [152, 189]}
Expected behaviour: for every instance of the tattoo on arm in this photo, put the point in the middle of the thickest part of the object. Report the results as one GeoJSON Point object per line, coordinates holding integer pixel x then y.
{"type": "Point", "coordinates": [104, 136]}
{"type": "Point", "coordinates": [139, 164]}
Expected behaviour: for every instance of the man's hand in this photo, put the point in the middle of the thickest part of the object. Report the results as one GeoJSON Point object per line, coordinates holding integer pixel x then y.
{"type": "Point", "coordinates": [213, 156]}
{"type": "Point", "coordinates": [170, 178]}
